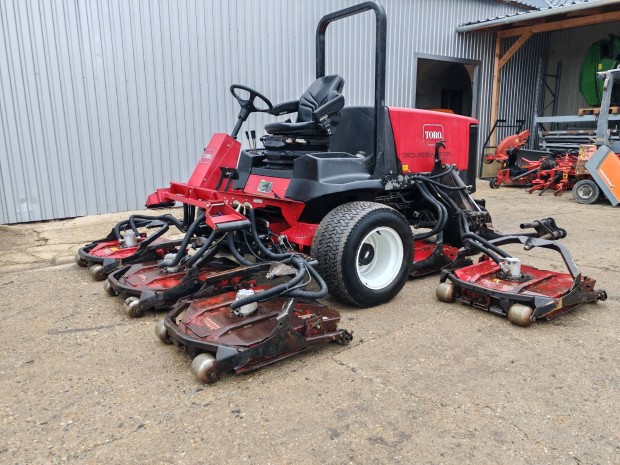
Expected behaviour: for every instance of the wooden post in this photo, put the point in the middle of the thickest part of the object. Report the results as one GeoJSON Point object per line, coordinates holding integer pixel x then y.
{"type": "Point", "coordinates": [495, 91]}
{"type": "Point", "coordinates": [499, 62]}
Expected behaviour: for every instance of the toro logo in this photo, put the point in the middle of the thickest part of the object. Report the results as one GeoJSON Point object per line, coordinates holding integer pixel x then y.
{"type": "Point", "coordinates": [207, 155]}
{"type": "Point", "coordinates": [432, 133]}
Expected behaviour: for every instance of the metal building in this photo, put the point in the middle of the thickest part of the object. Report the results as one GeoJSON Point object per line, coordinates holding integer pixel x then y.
{"type": "Point", "coordinates": [102, 101]}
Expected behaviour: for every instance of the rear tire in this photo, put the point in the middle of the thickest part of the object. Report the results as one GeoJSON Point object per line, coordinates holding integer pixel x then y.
{"type": "Point", "coordinates": [365, 251]}
{"type": "Point", "coordinates": [493, 183]}
{"type": "Point", "coordinates": [586, 191]}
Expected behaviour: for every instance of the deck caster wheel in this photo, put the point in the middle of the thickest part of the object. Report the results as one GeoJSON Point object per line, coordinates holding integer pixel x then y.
{"type": "Point", "coordinates": [96, 271]}
{"type": "Point", "coordinates": [80, 261]}
{"type": "Point", "coordinates": [521, 315]}
{"type": "Point", "coordinates": [107, 287]}
{"type": "Point", "coordinates": [132, 307]}
{"type": "Point", "coordinates": [445, 292]}
{"type": "Point", "coordinates": [162, 334]}
{"type": "Point", "coordinates": [201, 365]}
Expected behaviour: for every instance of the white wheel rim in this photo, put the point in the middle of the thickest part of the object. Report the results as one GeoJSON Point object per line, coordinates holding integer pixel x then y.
{"type": "Point", "coordinates": [379, 258]}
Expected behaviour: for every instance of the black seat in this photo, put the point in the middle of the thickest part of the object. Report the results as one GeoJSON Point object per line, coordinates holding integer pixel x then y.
{"type": "Point", "coordinates": [317, 110]}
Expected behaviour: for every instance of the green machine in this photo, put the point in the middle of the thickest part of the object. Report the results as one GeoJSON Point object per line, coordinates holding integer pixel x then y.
{"type": "Point", "coordinates": [602, 55]}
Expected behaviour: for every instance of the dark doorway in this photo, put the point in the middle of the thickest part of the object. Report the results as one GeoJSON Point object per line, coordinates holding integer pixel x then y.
{"type": "Point", "coordinates": [445, 85]}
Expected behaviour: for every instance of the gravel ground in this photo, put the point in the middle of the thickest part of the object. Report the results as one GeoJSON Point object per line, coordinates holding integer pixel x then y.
{"type": "Point", "coordinates": [422, 381]}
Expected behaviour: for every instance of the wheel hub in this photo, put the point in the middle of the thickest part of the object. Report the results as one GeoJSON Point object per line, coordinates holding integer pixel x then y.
{"type": "Point", "coordinates": [367, 254]}
{"type": "Point", "coordinates": [379, 258]}
{"type": "Point", "coordinates": [585, 191]}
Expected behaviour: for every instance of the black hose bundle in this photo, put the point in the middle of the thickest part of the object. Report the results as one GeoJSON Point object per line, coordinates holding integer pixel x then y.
{"type": "Point", "coordinates": [268, 253]}
{"type": "Point", "coordinates": [233, 250]}
{"type": "Point", "coordinates": [442, 213]}
{"type": "Point", "coordinates": [203, 253]}
{"type": "Point", "coordinates": [289, 288]}
{"type": "Point", "coordinates": [183, 247]}
{"type": "Point", "coordinates": [479, 243]}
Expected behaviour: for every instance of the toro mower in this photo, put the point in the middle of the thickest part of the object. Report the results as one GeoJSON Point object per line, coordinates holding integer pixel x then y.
{"type": "Point", "coordinates": [330, 201]}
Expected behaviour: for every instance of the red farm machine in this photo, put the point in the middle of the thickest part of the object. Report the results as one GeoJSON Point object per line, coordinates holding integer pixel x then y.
{"type": "Point", "coordinates": [509, 171]}
{"type": "Point", "coordinates": [328, 205]}
{"type": "Point", "coordinates": [554, 171]}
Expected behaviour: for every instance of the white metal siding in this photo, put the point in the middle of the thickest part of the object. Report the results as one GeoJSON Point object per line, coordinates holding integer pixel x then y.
{"type": "Point", "coordinates": [518, 82]}
{"type": "Point", "coordinates": [102, 101]}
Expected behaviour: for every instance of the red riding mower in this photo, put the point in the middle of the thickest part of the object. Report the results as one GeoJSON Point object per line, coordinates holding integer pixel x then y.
{"type": "Point", "coordinates": [343, 185]}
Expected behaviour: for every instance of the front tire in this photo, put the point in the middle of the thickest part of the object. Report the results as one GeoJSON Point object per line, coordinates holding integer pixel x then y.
{"type": "Point", "coordinates": [365, 251]}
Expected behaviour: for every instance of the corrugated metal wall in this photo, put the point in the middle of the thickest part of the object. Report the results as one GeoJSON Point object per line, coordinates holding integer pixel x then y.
{"type": "Point", "coordinates": [102, 101]}
{"type": "Point", "coordinates": [570, 47]}
{"type": "Point", "coordinates": [518, 82]}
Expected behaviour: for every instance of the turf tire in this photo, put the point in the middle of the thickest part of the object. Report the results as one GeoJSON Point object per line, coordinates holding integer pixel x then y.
{"type": "Point", "coordinates": [338, 240]}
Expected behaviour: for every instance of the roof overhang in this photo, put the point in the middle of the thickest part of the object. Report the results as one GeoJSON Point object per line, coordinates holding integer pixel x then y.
{"type": "Point", "coordinates": [549, 19]}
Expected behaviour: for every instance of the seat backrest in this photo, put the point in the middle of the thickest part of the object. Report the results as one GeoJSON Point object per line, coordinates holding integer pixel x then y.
{"type": "Point", "coordinates": [356, 131]}
{"type": "Point", "coordinates": [320, 92]}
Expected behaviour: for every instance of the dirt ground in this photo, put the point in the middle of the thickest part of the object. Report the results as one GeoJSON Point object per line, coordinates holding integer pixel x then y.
{"type": "Point", "coordinates": [422, 381]}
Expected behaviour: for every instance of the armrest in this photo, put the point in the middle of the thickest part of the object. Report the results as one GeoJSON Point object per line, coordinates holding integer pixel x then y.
{"type": "Point", "coordinates": [285, 108]}
{"type": "Point", "coordinates": [328, 108]}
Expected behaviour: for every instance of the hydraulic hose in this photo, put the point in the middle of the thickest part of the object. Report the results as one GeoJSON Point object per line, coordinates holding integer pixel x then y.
{"type": "Point", "coordinates": [123, 224]}
{"type": "Point", "coordinates": [265, 250]}
{"type": "Point", "coordinates": [235, 252]}
{"type": "Point", "coordinates": [183, 247]}
{"type": "Point", "coordinates": [322, 292]}
{"type": "Point", "coordinates": [435, 183]}
{"type": "Point", "coordinates": [201, 251]}
{"type": "Point", "coordinates": [486, 246]}
{"type": "Point", "coordinates": [442, 214]}
{"type": "Point", "coordinates": [479, 243]}
{"type": "Point", "coordinates": [447, 199]}
{"type": "Point", "coordinates": [439, 175]}
{"type": "Point", "coordinates": [276, 290]}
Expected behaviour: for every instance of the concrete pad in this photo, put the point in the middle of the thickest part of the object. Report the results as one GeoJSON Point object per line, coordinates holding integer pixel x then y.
{"type": "Point", "coordinates": [422, 381]}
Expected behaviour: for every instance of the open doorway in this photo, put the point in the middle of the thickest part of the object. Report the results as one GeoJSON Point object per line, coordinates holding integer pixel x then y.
{"type": "Point", "coordinates": [446, 85]}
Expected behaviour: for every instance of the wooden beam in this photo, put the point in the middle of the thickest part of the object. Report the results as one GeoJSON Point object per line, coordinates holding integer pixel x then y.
{"type": "Point", "coordinates": [495, 91]}
{"type": "Point", "coordinates": [514, 49]}
{"type": "Point", "coordinates": [562, 24]}
{"type": "Point", "coordinates": [576, 14]}
{"type": "Point", "coordinates": [499, 62]}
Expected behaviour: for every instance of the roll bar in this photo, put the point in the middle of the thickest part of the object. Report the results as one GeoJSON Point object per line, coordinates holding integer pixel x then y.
{"type": "Point", "coordinates": [380, 60]}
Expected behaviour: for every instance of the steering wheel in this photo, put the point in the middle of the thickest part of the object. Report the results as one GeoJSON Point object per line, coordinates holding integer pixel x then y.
{"type": "Point", "coordinates": [247, 98]}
